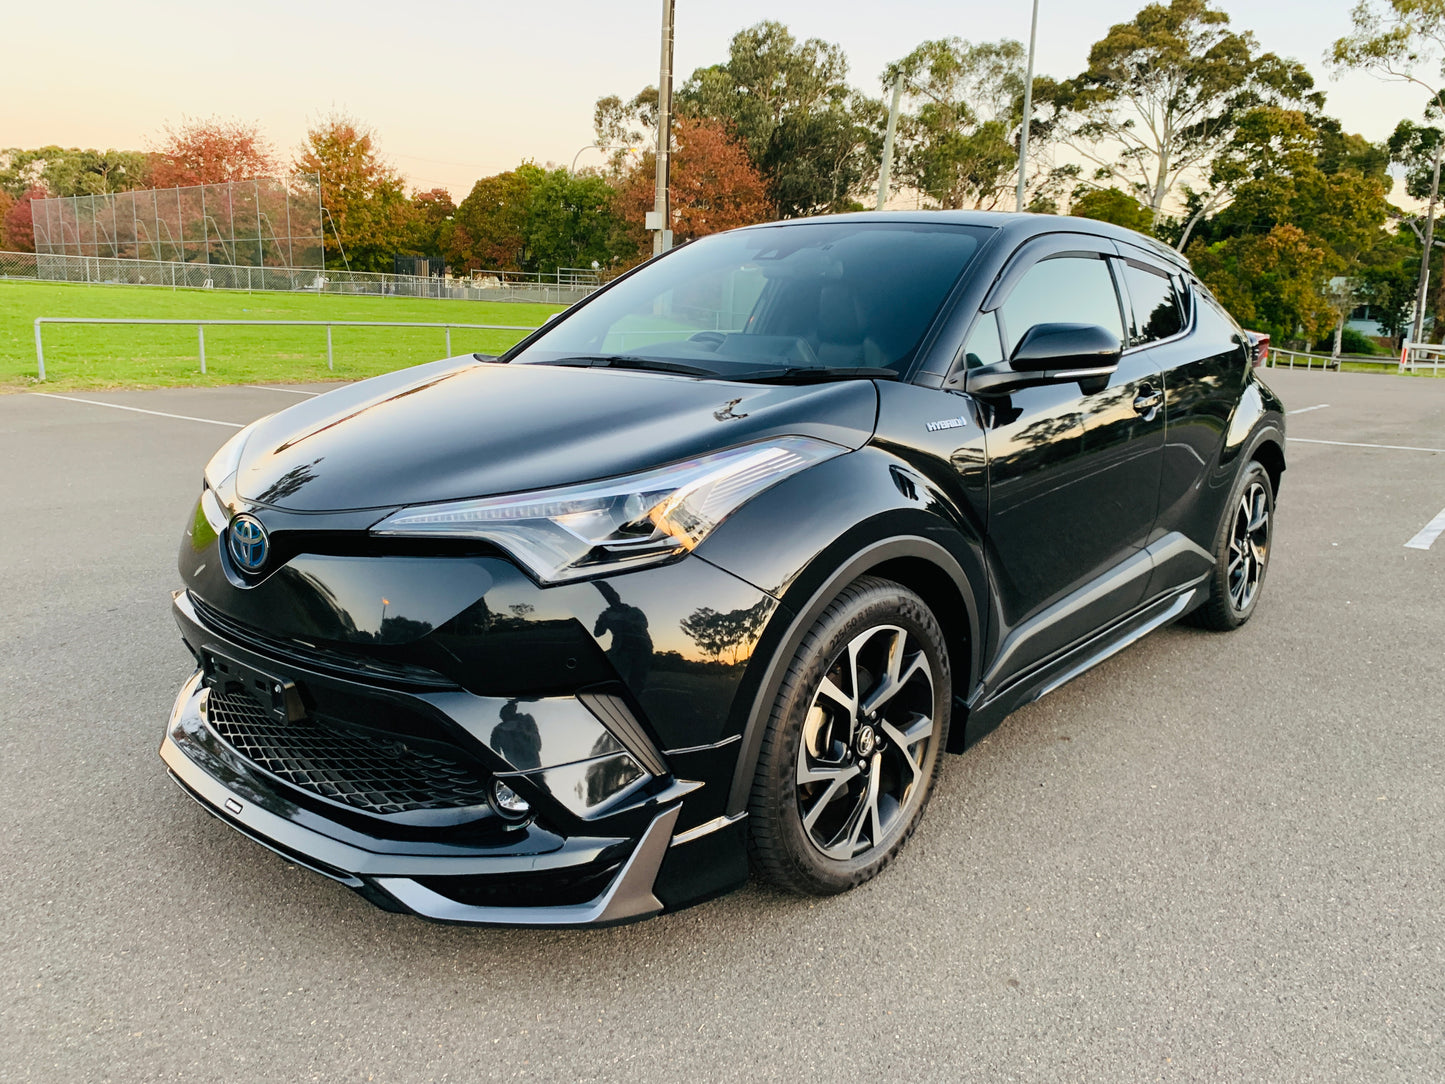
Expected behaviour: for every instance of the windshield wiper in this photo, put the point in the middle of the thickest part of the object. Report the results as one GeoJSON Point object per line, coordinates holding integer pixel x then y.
{"type": "Point", "coordinates": [814, 374]}
{"type": "Point", "coordinates": [628, 361]}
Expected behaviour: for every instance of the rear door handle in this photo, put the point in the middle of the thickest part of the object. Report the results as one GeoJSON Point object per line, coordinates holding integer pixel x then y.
{"type": "Point", "coordinates": [1148, 401]}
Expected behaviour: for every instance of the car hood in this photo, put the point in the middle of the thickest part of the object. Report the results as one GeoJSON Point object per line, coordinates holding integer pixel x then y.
{"type": "Point", "coordinates": [453, 430]}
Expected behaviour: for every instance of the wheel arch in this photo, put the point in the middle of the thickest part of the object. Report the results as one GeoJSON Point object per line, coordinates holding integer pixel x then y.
{"type": "Point", "coordinates": [1269, 450]}
{"type": "Point", "coordinates": [917, 563]}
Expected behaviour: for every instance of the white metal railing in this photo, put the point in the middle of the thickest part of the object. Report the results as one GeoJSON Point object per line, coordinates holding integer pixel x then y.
{"type": "Point", "coordinates": [201, 325]}
{"type": "Point", "coordinates": [1292, 359]}
{"type": "Point", "coordinates": [1295, 359]}
{"type": "Point", "coordinates": [1419, 355]}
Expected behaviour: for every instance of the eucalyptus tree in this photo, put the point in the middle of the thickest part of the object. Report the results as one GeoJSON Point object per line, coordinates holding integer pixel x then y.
{"type": "Point", "coordinates": [1404, 41]}
{"type": "Point", "coordinates": [955, 134]}
{"type": "Point", "coordinates": [1164, 94]}
{"type": "Point", "coordinates": [807, 131]}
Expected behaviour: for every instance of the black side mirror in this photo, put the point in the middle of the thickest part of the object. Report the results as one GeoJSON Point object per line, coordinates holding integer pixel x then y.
{"type": "Point", "coordinates": [1051, 354]}
{"type": "Point", "coordinates": [1059, 347]}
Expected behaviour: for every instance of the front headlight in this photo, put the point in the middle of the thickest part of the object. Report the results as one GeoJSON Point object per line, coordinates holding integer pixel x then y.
{"type": "Point", "coordinates": [642, 519]}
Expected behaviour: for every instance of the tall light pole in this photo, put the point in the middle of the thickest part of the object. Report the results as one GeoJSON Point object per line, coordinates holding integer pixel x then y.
{"type": "Point", "coordinates": [884, 174]}
{"type": "Point", "coordinates": [660, 221]}
{"type": "Point", "coordinates": [1028, 109]}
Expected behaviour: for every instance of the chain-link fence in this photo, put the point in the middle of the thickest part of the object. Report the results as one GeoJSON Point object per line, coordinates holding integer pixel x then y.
{"type": "Point", "coordinates": [51, 267]}
{"type": "Point", "coordinates": [265, 222]}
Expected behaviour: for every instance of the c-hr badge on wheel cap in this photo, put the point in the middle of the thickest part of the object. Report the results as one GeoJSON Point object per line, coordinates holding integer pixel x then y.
{"type": "Point", "coordinates": [247, 543]}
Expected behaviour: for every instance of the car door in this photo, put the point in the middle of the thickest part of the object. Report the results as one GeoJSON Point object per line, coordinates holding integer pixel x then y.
{"type": "Point", "coordinates": [1073, 469]}
{"type": "Point", "coordinates": [1194, 370]}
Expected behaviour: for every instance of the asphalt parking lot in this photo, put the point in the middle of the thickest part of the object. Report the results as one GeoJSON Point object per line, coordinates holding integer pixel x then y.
{"type": "Point", "coordinates": [1213, 858]}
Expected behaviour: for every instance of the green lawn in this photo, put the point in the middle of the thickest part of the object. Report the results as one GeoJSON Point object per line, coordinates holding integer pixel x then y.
{"type": "Point", "coordinates": [147, 357]}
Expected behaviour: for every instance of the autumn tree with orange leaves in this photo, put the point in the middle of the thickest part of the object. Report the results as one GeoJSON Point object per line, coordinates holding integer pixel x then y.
{"type": "Point", "coordinates": [364, 197]}
{"type": "Point", "coordinates": [211, 151]}
{"type": "Point", "coordinates": [713, 185]}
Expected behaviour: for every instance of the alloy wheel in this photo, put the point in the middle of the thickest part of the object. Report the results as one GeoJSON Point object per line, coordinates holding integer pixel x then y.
{"type": "Point", "coordinates": [864, 741]}
{"type": "Point", "coordinates": [1248, 546]}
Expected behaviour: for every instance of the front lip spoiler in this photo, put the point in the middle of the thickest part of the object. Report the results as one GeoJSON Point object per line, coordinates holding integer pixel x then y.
{"type": "Point", "coordinates": [627, 897]}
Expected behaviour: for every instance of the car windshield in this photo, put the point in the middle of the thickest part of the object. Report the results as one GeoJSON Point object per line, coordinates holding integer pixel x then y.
{"type": "Point", "coordinates": [806, 300]}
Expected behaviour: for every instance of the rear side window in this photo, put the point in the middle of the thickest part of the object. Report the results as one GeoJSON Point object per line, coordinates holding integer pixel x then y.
{"type": "Point", "coordinates": [1064, 290]}
{"type": "Point", "coordinates": [1156, 307]}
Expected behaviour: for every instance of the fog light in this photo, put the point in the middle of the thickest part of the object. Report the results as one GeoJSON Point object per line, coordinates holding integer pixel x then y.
{"type": "Point", "coordinates": [508, 802]}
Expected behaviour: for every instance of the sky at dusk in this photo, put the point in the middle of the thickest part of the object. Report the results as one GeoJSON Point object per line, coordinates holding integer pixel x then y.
{"type": "Point", "coordinates": [456, 91]}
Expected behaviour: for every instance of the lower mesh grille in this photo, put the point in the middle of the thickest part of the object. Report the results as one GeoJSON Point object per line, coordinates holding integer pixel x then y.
{"type": "Point", "coordinates": [366, 771]}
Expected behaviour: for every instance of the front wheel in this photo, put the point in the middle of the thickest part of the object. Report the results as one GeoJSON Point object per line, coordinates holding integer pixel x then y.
{"type": "Point", "coordinates": [1241, 552]}
{"type": "Point", "coordinates": [852, 748]}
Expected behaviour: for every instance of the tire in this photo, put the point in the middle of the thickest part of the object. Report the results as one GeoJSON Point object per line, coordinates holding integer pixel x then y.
{"type": "Point", "coordinates": [1241, 552]}
{"type": "Point", "coordinates": [841, 781]}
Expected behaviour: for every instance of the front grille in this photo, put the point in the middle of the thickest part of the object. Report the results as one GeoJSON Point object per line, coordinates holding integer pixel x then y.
{"type": "Point", "coordinates": [366, 771]}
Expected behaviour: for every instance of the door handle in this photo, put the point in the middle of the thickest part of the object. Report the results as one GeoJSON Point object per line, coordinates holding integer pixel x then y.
{"type": "Point", "coordinates": [1148, 401]}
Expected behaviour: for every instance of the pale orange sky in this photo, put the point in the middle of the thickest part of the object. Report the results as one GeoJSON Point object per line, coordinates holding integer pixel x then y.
{"type": "Point", "coordinates": [460, 90]}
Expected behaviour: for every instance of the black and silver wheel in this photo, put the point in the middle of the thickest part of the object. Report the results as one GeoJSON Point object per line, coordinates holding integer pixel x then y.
{"type": "Point", "coordinates": [1241, 552]}
{"type": "Point", "coordinates": [852, 746]}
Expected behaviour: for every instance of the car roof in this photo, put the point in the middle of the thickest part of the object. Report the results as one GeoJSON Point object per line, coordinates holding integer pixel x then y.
{"type": "Point", "coordinates": [1018, 226]}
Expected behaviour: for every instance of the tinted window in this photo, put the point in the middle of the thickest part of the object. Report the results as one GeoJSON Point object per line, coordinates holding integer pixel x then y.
{"type": "Point", "coordinates": [984, 345]}
{"type": "Point", "coordinates": [1156, 309]}
{"type": "Point", "coordinates": [827, 293]}
{"type": "Point", "coordinates": [1066, 290]}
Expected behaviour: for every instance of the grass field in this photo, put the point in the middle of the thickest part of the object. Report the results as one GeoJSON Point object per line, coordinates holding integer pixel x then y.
{"type": "Point", "coordinates": [148, 357]}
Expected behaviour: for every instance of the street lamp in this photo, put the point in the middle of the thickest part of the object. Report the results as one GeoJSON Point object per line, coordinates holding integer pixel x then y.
{"type": "Point", "coordinates": [579, 154]}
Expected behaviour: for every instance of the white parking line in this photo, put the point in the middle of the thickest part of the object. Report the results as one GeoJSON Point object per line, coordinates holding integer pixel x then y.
{"type": "Point", "coordinates": [139, 410]}
{"type": "Point", "coordinates": [283, 391]}
{"type": "Point", "coordinates": [1431, 531]}
{"type": "Point", "coordinates": [1307, 409]}
{"type": "Point", "coordinates": [1352, 444]}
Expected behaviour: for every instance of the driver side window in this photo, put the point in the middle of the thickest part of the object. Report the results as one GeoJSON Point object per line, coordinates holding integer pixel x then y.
{"type": "Point", "coordinates": [1063, 290]}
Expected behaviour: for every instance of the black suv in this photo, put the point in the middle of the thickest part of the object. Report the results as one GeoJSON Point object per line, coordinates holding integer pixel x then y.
{"type": "Point", "coordinates": [709, 571]}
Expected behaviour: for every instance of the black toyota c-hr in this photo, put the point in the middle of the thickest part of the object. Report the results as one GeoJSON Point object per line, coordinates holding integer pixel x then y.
{"type": "Point", "coordinates": [708, 572]}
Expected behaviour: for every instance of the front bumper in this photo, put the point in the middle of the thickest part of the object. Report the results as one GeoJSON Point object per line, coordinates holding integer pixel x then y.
{"type": "Point", "coordinates": [600, 846]}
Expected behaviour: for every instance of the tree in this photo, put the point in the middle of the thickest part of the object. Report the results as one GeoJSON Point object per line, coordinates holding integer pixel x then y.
{"type": "Point", "coordinates": [1401, 40]}
{"type": "Point", "coordinates": [624, 128]}
{"type": "Point", "coordinates": [211, 151]}
{"type": "Point", "coordinates": [1388, 285]}
{"type": "Point", "coordinates": [569, 221]}
{"type": "Point", "coordinates": [955, 140]}
{"type": "Point", "coordinates": [810, 135]}
{"type": "Point", "coordinates": [1305, 224]}
{"type": "Point", "coordinates": [18, 228]}
{"type": "Point", "coordinates": [429, 223]}
{"type": "Point", "coordinates": [1271, 282]}
{"type": "Point", "coordinates": [6, 202]}
{"type": "Point", "coordinates": [1112, 205]}
{"type": "Point", "coordinates": [363, 197]}
{"type": "Point", "coordinates": [534, 220]}
{"type": "Point", "coordinates": [71, 171]}
{"type": "Point", "coordinates": [490, 225]}
{"type": "Point", "coordinates": [713, 186]}
{"type": "Point", "coordinates": [1163, 96]}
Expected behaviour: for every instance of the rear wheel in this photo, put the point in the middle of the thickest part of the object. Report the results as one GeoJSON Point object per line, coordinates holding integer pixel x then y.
{"type": "Point", "coordinates": [1241, 555]}
{"type": "Point", "coordinates": [852, 747]}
